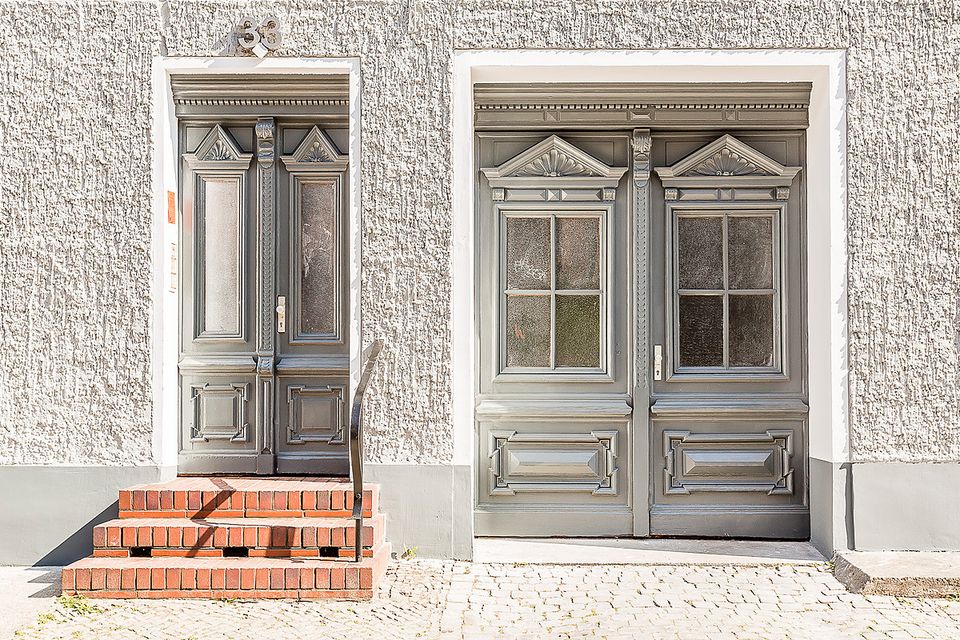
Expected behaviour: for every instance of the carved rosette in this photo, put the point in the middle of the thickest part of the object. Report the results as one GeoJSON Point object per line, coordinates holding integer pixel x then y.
{"type": "Point", "coordinates": [642, 143]}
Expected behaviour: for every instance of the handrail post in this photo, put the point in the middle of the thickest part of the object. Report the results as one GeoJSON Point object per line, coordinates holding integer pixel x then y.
{"type": "Point", "coordinates": [369, 358]}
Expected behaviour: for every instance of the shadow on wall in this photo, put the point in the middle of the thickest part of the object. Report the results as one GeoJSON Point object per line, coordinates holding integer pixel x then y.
{"type": "Point", "coordinates": [80, 543]}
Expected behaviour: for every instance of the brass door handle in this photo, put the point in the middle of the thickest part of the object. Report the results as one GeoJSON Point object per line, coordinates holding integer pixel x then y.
{"type": "Point", "coordinates": [281, 314]}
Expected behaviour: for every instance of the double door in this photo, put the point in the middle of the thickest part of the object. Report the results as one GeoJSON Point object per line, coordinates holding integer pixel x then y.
{"type": "Point", "coordinates": [264, 344]}
{"type": "Point", "coordinates": [642, 363]}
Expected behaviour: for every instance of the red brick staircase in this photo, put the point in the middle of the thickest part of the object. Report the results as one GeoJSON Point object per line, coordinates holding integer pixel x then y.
{"type": "Point", "coordinates": [235, 538]}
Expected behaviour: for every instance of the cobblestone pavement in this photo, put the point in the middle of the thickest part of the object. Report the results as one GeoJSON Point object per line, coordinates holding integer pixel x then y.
{"type": "Point", "coordinates": [432, 599]}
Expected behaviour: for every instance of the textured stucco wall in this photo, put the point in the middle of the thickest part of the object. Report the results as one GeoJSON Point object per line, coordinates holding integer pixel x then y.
{"type": "Point", "coordinates": [74, 382]}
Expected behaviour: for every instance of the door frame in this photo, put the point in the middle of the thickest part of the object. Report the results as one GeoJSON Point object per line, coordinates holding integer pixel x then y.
{"type": "Point", "coordinates": [166, 219]}
{"type": "Point", "coordinates": [826, 201]}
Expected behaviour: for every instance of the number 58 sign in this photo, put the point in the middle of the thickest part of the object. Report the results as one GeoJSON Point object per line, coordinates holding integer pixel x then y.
{"type": "Point", "coordinates": [259, 39]}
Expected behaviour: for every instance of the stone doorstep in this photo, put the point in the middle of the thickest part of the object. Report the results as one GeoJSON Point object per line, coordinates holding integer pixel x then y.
{"type": "Point", "coordinates": [246, 578]}
{"type": "Point", "coordinates": [200, 497]}
{"type": "Point", "coordinates": [899, 573]}
{"type": "Point", "coordinates": [210, 535]}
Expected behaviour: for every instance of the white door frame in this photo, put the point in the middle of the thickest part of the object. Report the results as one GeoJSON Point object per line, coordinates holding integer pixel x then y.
{"type": "Point", "coordinates": [826, 228]}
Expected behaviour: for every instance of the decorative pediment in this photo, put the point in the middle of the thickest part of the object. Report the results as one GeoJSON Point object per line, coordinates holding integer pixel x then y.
{"type": "Point", "coordinates": [218, 150]}
{"type": "Point", "coordinates": [727, 162]}
{"type": "Point", "coordinates": [316, 152]}
{"type": "Point", "coordinates": [554, 162]}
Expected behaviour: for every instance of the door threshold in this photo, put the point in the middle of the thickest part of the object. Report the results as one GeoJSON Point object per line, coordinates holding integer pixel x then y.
{"type": "Point", "coordinates": [652, 551]}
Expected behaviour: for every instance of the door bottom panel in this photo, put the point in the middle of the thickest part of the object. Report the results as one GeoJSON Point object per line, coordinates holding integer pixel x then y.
{"type": "Point", "coordinates": [731, 521]}
{"type": "Point", "coordinates": [537, 523]}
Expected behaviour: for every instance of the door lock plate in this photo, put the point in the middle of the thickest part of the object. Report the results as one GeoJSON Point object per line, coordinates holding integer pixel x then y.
{"type": "Point", "coordinates": [281, 314]}
{"type": "Point", "coordinates": [657, 362]}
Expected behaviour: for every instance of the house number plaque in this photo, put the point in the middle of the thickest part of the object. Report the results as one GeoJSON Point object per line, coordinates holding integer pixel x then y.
{"type": "Point", "coordinates": [258, 39]}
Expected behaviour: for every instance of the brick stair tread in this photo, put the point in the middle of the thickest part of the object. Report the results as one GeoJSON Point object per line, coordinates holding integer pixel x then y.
{"type": "Point", "coordinates": [180, 562]}
{"type": "Point", "coordinates": [240, 521]}
{"type": "Point", "coordinates": [285, 483]}
{"type": "Point", "coordinates": [197, 497]}
{"type": "Point", "coordinates": [374, 528]}
{"type": "Point", "coordinates": [189, 577]}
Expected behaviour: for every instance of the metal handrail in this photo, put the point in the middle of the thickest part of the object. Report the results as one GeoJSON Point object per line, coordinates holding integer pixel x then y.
{"type": "Point", "coordinates": [369, 357]}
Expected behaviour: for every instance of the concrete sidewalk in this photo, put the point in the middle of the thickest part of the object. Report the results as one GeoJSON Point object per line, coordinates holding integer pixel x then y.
{"type": "Point", "coordinates": [26, 592]}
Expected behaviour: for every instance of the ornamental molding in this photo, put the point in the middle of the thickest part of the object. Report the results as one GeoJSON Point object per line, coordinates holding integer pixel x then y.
{"type": "Point", "coordinates": [316, 152]}
{"type": "Point", "coordinates": [553, 162]}
{"type": "Point", "coordinates": [727, 162]}
{"type": "Point", "coordinates": [218, 150]}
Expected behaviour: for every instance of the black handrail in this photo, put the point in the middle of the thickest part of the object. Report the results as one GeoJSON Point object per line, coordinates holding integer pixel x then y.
{"type": "Point", "coordinates": [369, 357]}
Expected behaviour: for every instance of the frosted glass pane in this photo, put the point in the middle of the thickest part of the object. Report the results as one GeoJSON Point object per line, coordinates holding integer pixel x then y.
{"type": "Point", "coordinates": [750, 252]}
{"type": "Point", "coordinates": [701, 331]}
{"type": "Point", "coordinates": [221, 255]}
{"type": "Point", "coordinates": [528, 253]}
{"type": "Point", "coordinates": [700, 252]}
{"type": "Point", "coordinates": [528, 331]}
{"type": "Point", "coordinates": [578, 253]}
{"type": "Point", "coordinates": [318, 253]}
{"type": "Point", "coordinates": [578, 331]}
{"type": "Point", "coordinates": [751, 331]}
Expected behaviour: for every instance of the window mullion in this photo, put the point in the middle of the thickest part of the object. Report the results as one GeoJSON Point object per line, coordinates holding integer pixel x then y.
{"type": "Point", "coordinates": [726, 295]}
{"type": "Point", "coordinates": [553, 291]}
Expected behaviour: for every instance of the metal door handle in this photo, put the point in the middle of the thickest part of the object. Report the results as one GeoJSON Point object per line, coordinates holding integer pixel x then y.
{"type": "Point", "coordinates": [657, 362]}
{"type": "Point", "coordinates": [281, 314]}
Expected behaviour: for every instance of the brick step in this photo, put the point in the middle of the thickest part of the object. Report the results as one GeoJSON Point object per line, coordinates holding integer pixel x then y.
{"type": "Point", "coordinates": [254, 537]}
{"type": "Point", "coordinates": [287, 497]}
{"type": "Point", "coordinates": [226, 577]}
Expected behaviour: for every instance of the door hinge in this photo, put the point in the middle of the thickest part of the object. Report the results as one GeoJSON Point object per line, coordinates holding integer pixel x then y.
{"type": "Point", "coordinates": [281, 314]}
{"type": "Point", "coordinates": [657, 362]}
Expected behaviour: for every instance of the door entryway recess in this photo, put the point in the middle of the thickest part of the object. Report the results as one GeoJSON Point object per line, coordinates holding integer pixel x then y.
{"type": "Point", "coordinates": [264, 364]}
{"type": "Point", "coordinates": [641, 261]}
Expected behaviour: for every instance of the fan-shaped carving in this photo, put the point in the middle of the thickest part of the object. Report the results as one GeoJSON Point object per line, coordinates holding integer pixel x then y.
{"type": "Point", "coordinates": [555, 163]}
{"type": "Point", "coordinates": [727, 162]}
{"type": "Point", "coordinates": [218, 150]}
{"type": "Point", "coordinates": [551, 159]}
{"type": "Point", "coordinates": [316, 149]}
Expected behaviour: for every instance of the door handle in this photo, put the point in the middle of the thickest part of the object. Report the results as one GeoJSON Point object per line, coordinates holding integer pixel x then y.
{"type": "Point", "coordinates": [281, 314]}
{"type": "Point", "coordinates": [657, 362]}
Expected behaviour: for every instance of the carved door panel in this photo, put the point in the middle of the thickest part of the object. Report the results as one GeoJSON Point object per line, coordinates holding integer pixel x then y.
{"type": "Point", "coordinates": [728, 414]}
{"type": "Point", "coordinates": [264, 363]}
{"type": "Point", "coordinates": [553, 410]}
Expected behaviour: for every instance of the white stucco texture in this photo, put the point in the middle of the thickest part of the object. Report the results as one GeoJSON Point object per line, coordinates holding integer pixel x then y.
{"type": "Point", "coordinates": [75, 177]}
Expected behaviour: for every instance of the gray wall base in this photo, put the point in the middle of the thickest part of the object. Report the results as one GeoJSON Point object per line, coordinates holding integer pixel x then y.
{"type": "Point", "coordinates": [427, 506]}
{"type": "Point", "coordinates": [831, 518]}
{"type": "Point", "coordinates": [900, 506]}
{"type": "Point", "coordinates": [47, 514]}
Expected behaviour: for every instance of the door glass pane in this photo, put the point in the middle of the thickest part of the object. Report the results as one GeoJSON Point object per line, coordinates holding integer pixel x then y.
{"type": "Point", "coordinates": [701, 331]}
{"type": "Point", "coordinates": [700, 252]}
{"type": "Point", "coordinates": [528, 253]}
{"type": "Point", "coordinates": [578, 331]}
{"type": "Point", "coordinates": [528, 331]}
{"type": "Point", "coordinates": [221, 255]}
{"type": "Point", "coordinates": [750, 252]}
{"type": "Point", "coordinates": [318, 258]}
{"type": "Point", "coordinates": [578, 253]}
{"type": "Point", "coordinates": [751, 330]}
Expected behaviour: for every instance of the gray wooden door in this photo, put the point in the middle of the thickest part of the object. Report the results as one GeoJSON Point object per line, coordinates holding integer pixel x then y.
{"type": "Point", "coordinates": [728, 415]}
{"type": "Point", "coordinates": [553, 409]}
{"type": "Point", "coordinates": [264, 363]}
